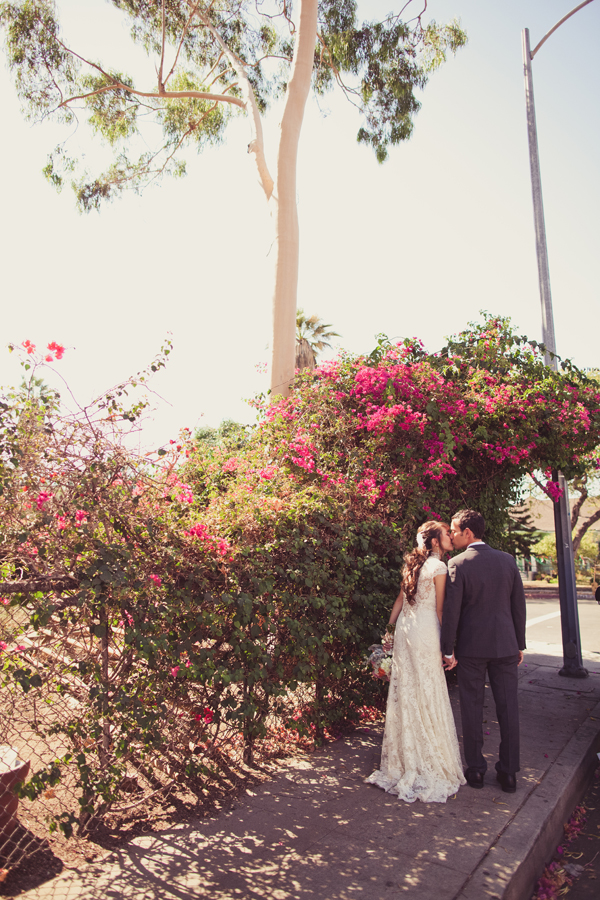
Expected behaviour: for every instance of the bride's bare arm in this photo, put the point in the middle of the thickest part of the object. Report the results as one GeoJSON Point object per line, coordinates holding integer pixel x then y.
{"type": "Point", "coordinates": [388, 638]}
{"type": "Point", "coordinates": [396, 608]}
{"type": "Point", "coordinates": [440, 591]}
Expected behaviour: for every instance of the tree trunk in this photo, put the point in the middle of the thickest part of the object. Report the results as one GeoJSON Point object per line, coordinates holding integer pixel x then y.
{"type": "Point", "coordinates": [583, 528]}
{"type": "Point", "coordinates": [285, 211]}
{"type": "Point", "coordinates": [305, 357]}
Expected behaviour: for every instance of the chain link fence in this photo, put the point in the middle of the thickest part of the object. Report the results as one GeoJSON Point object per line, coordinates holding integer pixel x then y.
{"type": "Point", "coordinates": [60, 772]}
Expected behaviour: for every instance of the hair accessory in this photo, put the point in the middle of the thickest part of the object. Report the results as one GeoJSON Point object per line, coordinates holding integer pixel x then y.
{"type": "Point", "coordinates": [420, 541]}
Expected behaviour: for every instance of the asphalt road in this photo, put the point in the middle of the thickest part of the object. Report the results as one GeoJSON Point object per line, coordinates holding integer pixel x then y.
{"type": "Point", "coordinates": [543, 623]}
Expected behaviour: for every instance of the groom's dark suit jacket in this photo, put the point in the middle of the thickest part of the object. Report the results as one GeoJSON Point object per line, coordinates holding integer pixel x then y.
{"type": "Point", "coordinates": [484, 609]}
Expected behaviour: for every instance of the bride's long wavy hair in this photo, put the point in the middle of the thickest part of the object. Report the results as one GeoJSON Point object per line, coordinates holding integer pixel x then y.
{"type": "Point", "coordinates": [414, 561]}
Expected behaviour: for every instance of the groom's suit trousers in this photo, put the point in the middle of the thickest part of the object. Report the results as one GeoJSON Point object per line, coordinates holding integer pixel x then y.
{"type": "Point", "coordinates": [503, 680]}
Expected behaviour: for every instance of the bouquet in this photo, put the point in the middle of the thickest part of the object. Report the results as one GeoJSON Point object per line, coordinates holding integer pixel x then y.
{"type": "Point", "coordinates": [381, 661]}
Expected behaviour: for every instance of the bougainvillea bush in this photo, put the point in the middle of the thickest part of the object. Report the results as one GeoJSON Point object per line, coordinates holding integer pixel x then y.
{"type": "Point", "coordinates": [218, 597]}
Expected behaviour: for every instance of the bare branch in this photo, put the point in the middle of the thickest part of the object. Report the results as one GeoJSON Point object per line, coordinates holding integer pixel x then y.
{"type": "Point", "coordinates": [585, 525]}
{"type": "Point", "coordinates": [165, 95]}
{"type": "Point", "coordinates": [43, 583]}
{"type": "Point", "coordinates": [161, 85]}
{"type": "Point", "coordinates": [212, 69]}
{"type": "Point", "coordinates": [578, 504]}
{"type": "Point", "coordinates": [539, 483]}
{"type": "Point", "coordinates": [220, 75]}
{"type": "Point", "coordinates": [118, 85]}
{"type": "Point", "coordinates": [102, 90]}
{"type": "Point", "coordinates": [183, 34]}
{"type": "Point", "coordinates": [256, 146]}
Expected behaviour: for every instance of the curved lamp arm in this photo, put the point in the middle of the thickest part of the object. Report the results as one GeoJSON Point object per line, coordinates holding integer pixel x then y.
{"type": "Point", "coordinates": [558, 24]}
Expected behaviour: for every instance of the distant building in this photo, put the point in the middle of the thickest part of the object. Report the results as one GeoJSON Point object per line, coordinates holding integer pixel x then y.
{"type": "Point", "coordinates": [542, 519]}
{"type": "Point", "coordinates": [542, 513]}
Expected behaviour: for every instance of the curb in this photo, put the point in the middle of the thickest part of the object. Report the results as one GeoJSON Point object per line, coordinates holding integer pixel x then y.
{"type": "Point", "coordinates": [516, 860]}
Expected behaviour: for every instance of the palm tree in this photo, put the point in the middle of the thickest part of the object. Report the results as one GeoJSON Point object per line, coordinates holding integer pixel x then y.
{"type": "Point", "coordinates": [312, 336]}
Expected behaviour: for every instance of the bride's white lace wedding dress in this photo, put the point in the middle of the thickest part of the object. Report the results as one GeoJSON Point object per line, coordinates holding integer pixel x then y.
{"type": "Point", "coordinates": [420, 758]}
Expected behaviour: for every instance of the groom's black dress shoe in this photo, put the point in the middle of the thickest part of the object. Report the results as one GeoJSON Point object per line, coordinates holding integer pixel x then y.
{"type": "Point", "coordinates": [508, 782]}
{"type": "Point", "coordinates": [474, 778]}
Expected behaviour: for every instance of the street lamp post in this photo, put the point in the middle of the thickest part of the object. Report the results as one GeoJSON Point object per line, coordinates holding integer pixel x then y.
{"type": "Point", "coordinates": [572, 658]}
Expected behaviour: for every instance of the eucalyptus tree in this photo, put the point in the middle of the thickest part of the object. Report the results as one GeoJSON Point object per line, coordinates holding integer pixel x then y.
{"type": "Point", "coordinates": [215, 59]}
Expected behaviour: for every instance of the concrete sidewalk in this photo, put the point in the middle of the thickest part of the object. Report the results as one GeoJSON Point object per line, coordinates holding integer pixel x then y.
{"type": "Point", "coordinates": [318, 832]}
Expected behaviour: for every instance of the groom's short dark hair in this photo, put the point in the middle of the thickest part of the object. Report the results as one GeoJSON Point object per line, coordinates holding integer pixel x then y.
{"type": "Point", "coordinates": [469, 518]}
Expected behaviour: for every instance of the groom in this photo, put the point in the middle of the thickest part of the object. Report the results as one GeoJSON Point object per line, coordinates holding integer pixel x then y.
{"type": "Point", "coordinates": [484, 613]}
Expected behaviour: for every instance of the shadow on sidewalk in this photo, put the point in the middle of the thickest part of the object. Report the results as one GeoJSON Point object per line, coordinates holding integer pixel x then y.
{"type": "Point", "coordinates": [317, 831]}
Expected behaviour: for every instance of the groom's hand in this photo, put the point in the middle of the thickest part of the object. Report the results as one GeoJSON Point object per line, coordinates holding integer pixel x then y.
{"type": "Point", "coordinates": [520, 657]}
{"type": "Point", "coordinates": [449, 662]}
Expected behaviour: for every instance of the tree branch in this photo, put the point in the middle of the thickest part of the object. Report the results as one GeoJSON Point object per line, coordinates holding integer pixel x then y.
{"type": "Point", "coordinates": [118, 85]}
{"type": "Point", "coordinates": [577, 505]}
{"type": "Point", "coordinates": [161, 85]}
{"type": "Point", "coordinates": [43, 583]}
{"type": "Point", "coordinates": [183, 34]}
{"type": "Point", "coordinates": [583, 528]}
{"type": "Point", "coordinates": [256, 146]}
{"type": "Point", "coordinates": [164, 95]}
{"type": "Point", "coordinates": [180, 142]}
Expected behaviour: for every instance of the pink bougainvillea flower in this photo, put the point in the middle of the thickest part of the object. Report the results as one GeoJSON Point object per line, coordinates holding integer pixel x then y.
{"type": "Point", "coordinates": [29, 346]}
{"type": "Point", "coordinates": [206, 715]}
{"type": "Point", "coordinates": [3, 645]}
{"type": "Point", "coordinates": [57, 349]}
{"type": "Point", "coordinates": [42, 498]}
{"type": "Point", "coordinates": [4, 601]}
{"type": "Point", "coordinates": [80, 516]}
{"type": "Point", "coordinates": [61, 521]}
{"type": "Point", "coordinates": [20, 647]}
{"type": "Point", "coordinates": [156, 579]}
{"type": "Point", "coordinates": [174, 671]}
{"type": "Point", "coordinates": [184, 493]}
{"type": "Point", "coordinates": [554, 490]}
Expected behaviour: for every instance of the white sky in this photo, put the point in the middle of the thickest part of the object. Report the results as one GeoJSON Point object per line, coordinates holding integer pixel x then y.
{"type": "Point", "coordinates": [414, 247]}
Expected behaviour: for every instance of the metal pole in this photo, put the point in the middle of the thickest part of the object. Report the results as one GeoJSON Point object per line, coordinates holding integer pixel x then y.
{"type": "Point", "coordinates": [548, 335]}
{"type": "Point", "coordinates": [567, 589]}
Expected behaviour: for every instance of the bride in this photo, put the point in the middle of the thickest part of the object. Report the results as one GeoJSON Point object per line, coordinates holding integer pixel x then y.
{"type": "Point", "coordinates": [420, 759]}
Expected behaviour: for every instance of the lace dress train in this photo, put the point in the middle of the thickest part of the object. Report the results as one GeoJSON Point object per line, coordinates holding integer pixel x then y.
{"type": "Point", "coordinates": [420, 757]}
